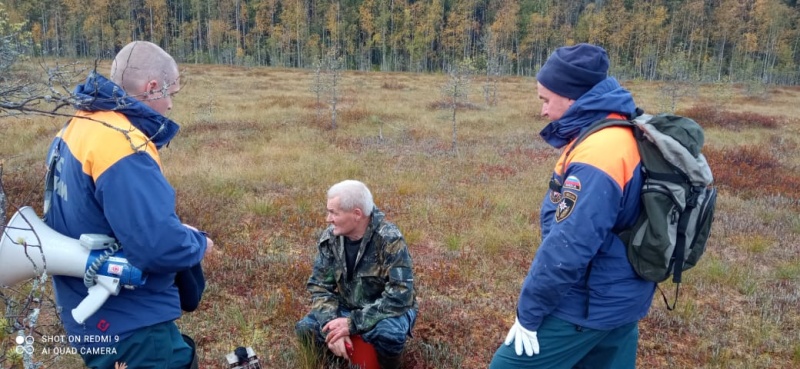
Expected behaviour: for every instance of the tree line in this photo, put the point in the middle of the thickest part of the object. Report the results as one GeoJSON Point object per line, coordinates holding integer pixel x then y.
{"type": "Point", "coordinates": [698, 40]}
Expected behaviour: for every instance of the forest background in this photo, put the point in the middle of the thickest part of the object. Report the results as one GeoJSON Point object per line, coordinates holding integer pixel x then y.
{"type": "Point", "coordinates": [700, 40]}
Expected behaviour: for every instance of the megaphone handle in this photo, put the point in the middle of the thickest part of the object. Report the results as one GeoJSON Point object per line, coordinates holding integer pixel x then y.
{"type": "Point", "coordinates": [98, 294]}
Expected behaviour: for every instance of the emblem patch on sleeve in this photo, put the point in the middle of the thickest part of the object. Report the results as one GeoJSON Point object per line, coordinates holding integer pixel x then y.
{"type": "Point", "coordinates": [573, 183]}
{"type": "Point", "coordinates": [565, 207]}
{"type": "Point", "coordinates": [555, 190]}
{"type": "Point", "coordinates": [555, 196]}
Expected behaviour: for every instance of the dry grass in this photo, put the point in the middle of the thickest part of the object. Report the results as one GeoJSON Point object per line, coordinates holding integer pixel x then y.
{"type": "Point", "coordinates": [253, 161]}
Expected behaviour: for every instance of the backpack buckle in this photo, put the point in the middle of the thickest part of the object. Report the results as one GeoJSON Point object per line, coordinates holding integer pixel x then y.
{"type": "Point", "coordinates": [691, 201]}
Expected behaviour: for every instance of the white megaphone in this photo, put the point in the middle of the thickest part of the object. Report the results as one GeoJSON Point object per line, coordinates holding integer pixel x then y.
{"type": "Point", "coordinates": [28, 246]}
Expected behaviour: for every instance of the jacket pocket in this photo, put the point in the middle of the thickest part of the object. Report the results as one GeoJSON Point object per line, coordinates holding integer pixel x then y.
{"type": "Point", "coordinates": [369, 286]}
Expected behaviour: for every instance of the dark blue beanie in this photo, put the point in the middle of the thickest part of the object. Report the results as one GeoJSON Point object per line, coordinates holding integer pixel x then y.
{"type": "Point", "coordinates": [571, 71]}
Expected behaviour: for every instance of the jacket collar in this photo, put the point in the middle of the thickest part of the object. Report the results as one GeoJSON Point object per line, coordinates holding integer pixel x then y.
{"type": "Point", "coordinates": [605, 98]}
{"type": "Point", "coordinates": [100, 94]}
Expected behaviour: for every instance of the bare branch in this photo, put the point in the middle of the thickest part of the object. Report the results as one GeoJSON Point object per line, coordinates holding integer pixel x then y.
{"type": "Point", "coordinates": [25, 95]}
{"type": "Point", "coordinates": [2, 199]}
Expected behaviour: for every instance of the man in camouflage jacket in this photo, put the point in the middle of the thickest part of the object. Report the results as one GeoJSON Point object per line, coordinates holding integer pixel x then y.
{"type": "Point", "coordinates": [362, 282]}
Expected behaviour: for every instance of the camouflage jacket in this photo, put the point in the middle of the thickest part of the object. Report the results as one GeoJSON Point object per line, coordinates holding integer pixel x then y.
{"type": "Point", "coordinates": [383, 279]}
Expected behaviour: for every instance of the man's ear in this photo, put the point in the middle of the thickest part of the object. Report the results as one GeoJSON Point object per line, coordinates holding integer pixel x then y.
{"type": "Point", "coordinates": [358, 212]}
{"type": "Point", "coordinates": [151, 87]}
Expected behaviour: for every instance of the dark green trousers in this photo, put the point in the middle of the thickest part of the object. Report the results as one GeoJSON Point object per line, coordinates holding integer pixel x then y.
{"type": "Point", "coordinates": [160, 346]}
{"type": "Point", "coordinates": [563, 345]}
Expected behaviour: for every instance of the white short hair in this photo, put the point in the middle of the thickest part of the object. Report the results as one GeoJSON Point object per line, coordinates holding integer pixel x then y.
{"type": "Point", "coordinates": [352, 194]}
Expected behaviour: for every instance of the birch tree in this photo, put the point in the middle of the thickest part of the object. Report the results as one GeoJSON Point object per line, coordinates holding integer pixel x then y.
{"type": "Point", "coordinates": [456, 93]}
{"type": "Point", "coordinates": [327, 83]}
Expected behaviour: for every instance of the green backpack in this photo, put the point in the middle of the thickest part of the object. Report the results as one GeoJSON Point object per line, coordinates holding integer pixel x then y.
{"type": "Point", "coordinates": [678, 199]}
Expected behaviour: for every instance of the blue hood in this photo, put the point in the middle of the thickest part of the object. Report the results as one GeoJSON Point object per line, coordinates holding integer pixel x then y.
{"type": "Point", "coordinates": [607, 97]}
{"type": "Point", "coordinates": [98, 93]}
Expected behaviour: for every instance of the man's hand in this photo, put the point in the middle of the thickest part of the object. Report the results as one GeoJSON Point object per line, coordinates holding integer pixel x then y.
{"type": "Point", "coordinates": [337, 328]}
{"type": "Point", "coordinates": [209, 241]}
{"type": "Point", "coordinates": [339, 347]}
{"type": "Point", "coordinates": [209, 244]}
{"type": "Point", "coordinates": [523, 339]}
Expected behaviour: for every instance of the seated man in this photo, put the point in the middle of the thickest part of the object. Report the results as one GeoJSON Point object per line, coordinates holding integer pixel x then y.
{"type": "Point", "coordinates": [362, 282]}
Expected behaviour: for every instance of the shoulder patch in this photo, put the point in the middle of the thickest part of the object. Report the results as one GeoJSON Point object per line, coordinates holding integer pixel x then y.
{"type": "Point", "coordinates": [565, 207]}
{"type": "Point", "coordinates": [572, 183]}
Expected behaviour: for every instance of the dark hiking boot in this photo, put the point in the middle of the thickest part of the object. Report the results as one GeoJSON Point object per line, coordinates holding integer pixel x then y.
{"type": "Point", "coordinates": [390, 362]}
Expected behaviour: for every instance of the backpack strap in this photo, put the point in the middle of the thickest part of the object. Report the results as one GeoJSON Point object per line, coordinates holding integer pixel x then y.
{"type": "Point", "coordinates": [664, 296]}
{"type": "Point", "coordinates": [677, 261]}
{"type": "Point", "coordinates": [676, 265]}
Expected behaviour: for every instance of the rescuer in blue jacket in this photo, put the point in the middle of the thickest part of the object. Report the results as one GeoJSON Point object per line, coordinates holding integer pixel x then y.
{"type": "Point", "coordinates": [108, 180]}
{"type": "Point", "coordinates": [581, 300]}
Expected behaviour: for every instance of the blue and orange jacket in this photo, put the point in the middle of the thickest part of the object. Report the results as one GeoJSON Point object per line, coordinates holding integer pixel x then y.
{"type": "Point", "coordinates": [581, 272]}
{"type": "Point", "coordinates": [108, 180]}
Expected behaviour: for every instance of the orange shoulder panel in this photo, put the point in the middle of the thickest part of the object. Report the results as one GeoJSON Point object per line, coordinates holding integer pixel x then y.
{"type": "Point", "coordinates": [612, 150]}
{"type": "Point", "coordinates": [100, 139]}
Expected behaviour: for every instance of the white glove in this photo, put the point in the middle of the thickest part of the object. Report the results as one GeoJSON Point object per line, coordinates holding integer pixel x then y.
{"type": "Point", "coordinates": [522, 338]}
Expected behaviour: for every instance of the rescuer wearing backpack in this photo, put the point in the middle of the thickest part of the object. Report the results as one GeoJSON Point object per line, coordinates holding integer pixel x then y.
{"type": "Point", "coordinates": [581, 300]}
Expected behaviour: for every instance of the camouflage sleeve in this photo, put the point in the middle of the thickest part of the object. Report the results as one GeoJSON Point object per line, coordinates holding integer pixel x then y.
{"type": "Point", "coordinates": [397, 297]}
{"type": "Point", "coordinates": [322, 285]}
